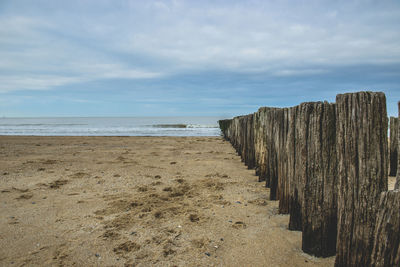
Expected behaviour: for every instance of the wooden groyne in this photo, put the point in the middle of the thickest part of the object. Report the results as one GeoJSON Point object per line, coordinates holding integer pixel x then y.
{"type": "Point", "coordinates": [327, 164]}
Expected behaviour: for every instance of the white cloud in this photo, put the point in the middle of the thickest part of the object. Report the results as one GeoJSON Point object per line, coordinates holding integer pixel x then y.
{"type": "Point", "coordinates": [96, 40]}
{"type": "Point", "coordinates": [43, 82]}
{"type": "Point", "coordinates": [32, 58]}
{"type": "Point", "coordinates": [298, 72]}
{"type": "Point", "coordinates": [33, 82]}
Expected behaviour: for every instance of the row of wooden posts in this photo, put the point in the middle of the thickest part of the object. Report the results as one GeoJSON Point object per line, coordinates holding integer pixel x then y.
{"type": "Point", "coordinates": [327, 164]}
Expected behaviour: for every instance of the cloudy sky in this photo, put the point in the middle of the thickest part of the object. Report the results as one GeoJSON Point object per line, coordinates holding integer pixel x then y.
{"type": "Point", "coordinates": [177, 57]}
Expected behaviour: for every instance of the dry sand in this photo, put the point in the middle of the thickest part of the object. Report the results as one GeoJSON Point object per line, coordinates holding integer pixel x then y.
{"type": "Point", "coordinates": [145, 201]}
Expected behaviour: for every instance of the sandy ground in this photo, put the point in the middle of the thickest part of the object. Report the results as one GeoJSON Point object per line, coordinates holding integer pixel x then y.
{"type": "Point", "coordinates": [138, 201]}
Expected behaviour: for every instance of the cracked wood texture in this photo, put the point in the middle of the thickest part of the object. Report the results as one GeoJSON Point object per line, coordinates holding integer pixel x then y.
{"type": "Point", "coordinates": [386, 249]}
{"type": "Point", "coordinates": [362, 149]}
{"type": "Point", "coordinates": [394, 145]}
{"type": "Point", "coordinates": [297, 179]}
{"type": "Point", "coordinates": [397, 185]}
{"type": "Point", "coordinates": [276, 143]}
{"type": "Point", "coordinates": [286, 158]}
{"type": "Point", "coordinates": [267, 141]}
{"type": "Point", "coordinates": [249, 157]}
{"type": "Point", "coordinates": [268, 169]}
{"type": "Point", "coordinates": [319, 216]}
{"type": "Point", "coordinates": [260, 140]}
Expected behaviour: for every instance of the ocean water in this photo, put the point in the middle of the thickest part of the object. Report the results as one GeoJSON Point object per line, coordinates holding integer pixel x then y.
{"type": "Point", "coordinates": [111, 126]}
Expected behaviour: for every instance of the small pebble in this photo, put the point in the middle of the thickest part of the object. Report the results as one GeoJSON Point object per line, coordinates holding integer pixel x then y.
{"type": "Point", "coordinates": [222, 239]}
{"type": "Point", "coordinates": [97, 255]}
{"type": "Point", "coordinates": [238, 202]}
{"type": "Point", "coordinates": [133, 233]}
{"type": "Point", "coordinates": [230, 221]}
{"type": "Point", "coordinates": [208, 254]}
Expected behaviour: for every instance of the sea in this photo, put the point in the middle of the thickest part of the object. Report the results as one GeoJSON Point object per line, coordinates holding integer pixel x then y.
{"type": "Point", "coordinates": [111, 126]}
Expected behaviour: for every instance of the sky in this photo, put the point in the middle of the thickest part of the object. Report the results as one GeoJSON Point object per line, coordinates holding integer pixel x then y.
{"type": "Point", "coordinates": [192, 58]}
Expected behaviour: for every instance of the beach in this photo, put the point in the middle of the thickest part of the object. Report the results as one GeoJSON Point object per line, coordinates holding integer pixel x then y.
{"type": "Point", "coordinates": [138, 201]}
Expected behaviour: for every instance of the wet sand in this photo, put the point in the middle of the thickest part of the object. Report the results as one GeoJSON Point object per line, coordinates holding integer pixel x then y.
{"type": "Point", "coordinates": [138, 201]}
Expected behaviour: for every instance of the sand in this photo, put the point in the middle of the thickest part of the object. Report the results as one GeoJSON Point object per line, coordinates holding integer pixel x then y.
{"type": "Point", "coordinates": [138, 201]}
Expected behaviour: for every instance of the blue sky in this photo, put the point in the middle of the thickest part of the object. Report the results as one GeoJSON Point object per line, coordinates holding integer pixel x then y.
{"type": "Point", "coordinates": [222, 58]}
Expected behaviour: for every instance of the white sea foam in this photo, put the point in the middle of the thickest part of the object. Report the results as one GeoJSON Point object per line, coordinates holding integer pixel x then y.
{"type": "Point", "coordinates": [123, 126]}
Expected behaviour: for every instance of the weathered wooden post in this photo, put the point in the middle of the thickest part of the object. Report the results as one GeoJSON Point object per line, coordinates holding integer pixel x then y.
{"type": "Point", "coordinates": [362, 150]}
{"type": "Point", "coordinates": [236, 135]}
{"type": "Point", "coordinates": [285, 159]}
{"type": "Point", "coordinates": [224, 125]}
{"type": "Point", "coordinates": [286, 198]}
{"type": "Point", "coordinates": [297, 180]}
{"type": "Point", "coordinates": [397, 185]}
{"type": "Point", "coordinates": [270, 151]}
{"type": "Point", "coordinates": [394, 145]}
{"type": "Point", "coordinates": [265, 146]}
{"type": "Point", "coordinates": [241, 136]}
{"type": "Point", "coordinates": [260, 143]}
{"type": "Point", "coordinates": [277, 140]}
{"type": "Point", "coordinates": [386, 249]}
{"type": "Point", "coordinates": [250, 162]}
{"type": "Point", "coordinates": [319, 206]}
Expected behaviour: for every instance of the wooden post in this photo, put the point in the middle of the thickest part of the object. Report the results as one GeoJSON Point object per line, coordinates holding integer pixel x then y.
{"type": "Point", "coordinates": [266, 146]}
{"type": "Point", "coordinates": [386, 249]}
{"type": "Point", "coordinates": [319, 216]}
{"type": "Point", "coordinates": [285, 158]}
{"type": "Point", "coordinates": [260, 143]}
{"type": "Point", "coordinates": [250, 162]}
{"type": "Point", "coordinates": [277, 140]}
{"type": "Point", "coordinates": [397, 185]}
{"type": "Point", "coordinates": [361, 131]}
{"type": "Point", "coordinates": [394, 145]}
{"type": "Point", "coordinates": [301, 128]}
{"type": "Point", "coordinates": [224, 125]}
